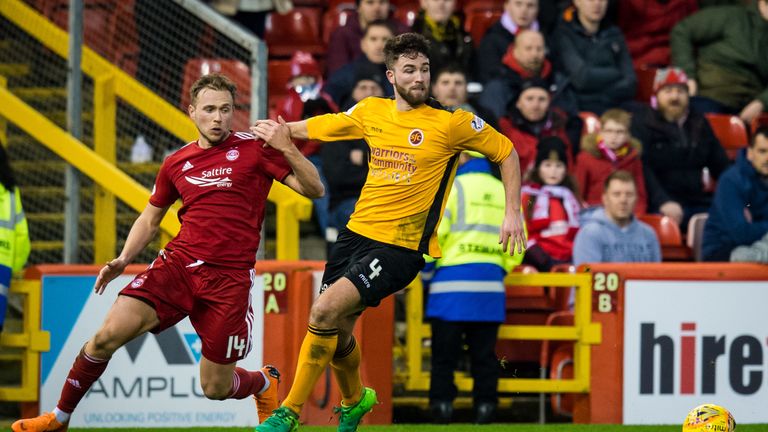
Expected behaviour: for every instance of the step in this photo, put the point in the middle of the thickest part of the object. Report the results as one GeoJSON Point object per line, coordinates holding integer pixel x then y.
{"type": "Point", "coordinates": [51, 252]}
{"type": "Point", "coordinates": [14, 70]}
{"type": "Point", "coordinates": [50, 226]}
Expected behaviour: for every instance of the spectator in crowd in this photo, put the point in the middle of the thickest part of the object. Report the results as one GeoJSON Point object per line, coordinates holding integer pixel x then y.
{"type": "Point", "coordinates": [14, 232]}
{"type": "Point", "coordinates": [346, 162]}
{"type": "Point", "coordinates": [305, 99]}
{"type": "Point", "coordinates": [525, 59]}
{"type": "Point", "coordinates": [609, 150]}
{"type": "Point", "coordinates": [532, 118]}
{"type": "Point", "coordinates": [450, 89]}
{"type": "Point", "coordinates": [344, 45]}
{"type": "Point", "coordinates": [612, 233]}
{"type": "Point", "coordinates": [550, 207]}
{"type": "Point", "coordinates": [341, 82]}
{"type": "Point", "coordinates": [678, 144]}
{"type": "Point", "coordinates": [593, 56]}
{"type": "Point", "coordinates": [465, 304]}
{"type": "Point", "coordinates": [646, 25]}
{"type": "Point", "coordinates": [251, 14]}
{"type": "Point", "coordinates": [724, 52]}
{"type": "Point", "coordinates": [449, 44]}
{"type": "Point", "coordinates": [739, 212]}
{"type": "Point", "coordinates": [518, 15]}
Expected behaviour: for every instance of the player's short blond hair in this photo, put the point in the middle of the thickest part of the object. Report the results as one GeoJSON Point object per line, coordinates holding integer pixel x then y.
{"type": "Point", "coordinates": [214, 81]}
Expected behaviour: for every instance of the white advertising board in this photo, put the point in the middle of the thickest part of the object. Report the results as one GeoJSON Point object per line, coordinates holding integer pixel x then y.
{"type": "Point", "coordinates": [688, 343]}
{"type": "Point", "coordinates": [151, 382]}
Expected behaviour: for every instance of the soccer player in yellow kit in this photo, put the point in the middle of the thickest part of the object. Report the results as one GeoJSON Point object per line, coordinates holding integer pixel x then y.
{"type": "Point", "coordinates": [415, 145]}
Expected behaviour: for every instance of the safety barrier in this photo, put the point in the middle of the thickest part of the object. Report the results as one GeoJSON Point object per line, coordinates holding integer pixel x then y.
{"type": "Point", "coordinates": [111, 83]}
{"type": "Point", "coordinates": [584, 333]}
{"type": "Point", "coordinates": [32, 341]}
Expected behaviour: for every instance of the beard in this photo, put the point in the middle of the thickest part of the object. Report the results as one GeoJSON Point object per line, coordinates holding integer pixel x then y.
{"type": "Point", "coordinates": [673, 109]}
{"type": "Point", "coordinates": [412, 99]}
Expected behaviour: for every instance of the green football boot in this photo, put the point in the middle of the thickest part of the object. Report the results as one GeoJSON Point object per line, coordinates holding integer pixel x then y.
{"type": "Point", "coordinates": [350, 416]}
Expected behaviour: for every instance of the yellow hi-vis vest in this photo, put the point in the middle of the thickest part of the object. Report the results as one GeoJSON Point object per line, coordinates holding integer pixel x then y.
{"type": "Point", "coordinates": [469, 230]}
{"type": "Point", "coordinates": [14, 233]}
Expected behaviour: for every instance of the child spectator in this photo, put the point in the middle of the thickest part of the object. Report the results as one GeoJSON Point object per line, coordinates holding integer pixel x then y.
{"type": "Point", "coordinates": [550, 206]}
{"type": "Point", "coordinates": [609, 150]}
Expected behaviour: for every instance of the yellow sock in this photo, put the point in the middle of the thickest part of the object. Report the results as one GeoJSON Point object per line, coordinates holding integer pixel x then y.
{"type": "Point", "coordinates": [316, 352]}
{"type": "Point", "coordinates": [346, 369]}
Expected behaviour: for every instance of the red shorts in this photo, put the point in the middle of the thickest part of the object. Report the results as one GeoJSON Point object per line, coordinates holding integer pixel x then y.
{"type": "Point", "coordinates": [216, 299]}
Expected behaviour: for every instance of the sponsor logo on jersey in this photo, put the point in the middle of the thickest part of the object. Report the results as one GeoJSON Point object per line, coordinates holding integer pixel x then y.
{"type": "Point", "coordinates": [232, 155]}
{"type": "Point", "coordinates": [187, 166]}
{"type": "Point", "coordinates": [477, 124]}
{"type": "Point", "coordinates": [416, 137]}
{"type": "Point", "coordinates": [218, 177]}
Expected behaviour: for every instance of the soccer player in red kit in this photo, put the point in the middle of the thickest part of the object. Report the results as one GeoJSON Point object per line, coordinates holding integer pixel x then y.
{"type": "Point", "coordinates": [206, 272]}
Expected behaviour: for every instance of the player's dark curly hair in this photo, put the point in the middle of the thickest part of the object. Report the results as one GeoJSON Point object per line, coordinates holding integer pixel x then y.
{"type": "Point", "coordinates": [407, 44]}
{"type": "Point", "coordinates": [7, 178]}
{"type": "Point", "coordinates": [214, 81]}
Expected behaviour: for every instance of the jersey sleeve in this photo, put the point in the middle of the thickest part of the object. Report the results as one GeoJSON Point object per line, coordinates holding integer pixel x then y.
{"type": "Point", "coordinates": [470, 132]}
{"type": "Point", "coordinates": [347, 125]}
{"type": "Point", "coordinates": [274, 164]}
{"type": "Point", "coordinates": [164, 193]}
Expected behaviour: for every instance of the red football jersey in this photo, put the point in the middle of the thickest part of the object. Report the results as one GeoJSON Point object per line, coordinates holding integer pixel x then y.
{"type": "Point", "coordinates": [224, 191]}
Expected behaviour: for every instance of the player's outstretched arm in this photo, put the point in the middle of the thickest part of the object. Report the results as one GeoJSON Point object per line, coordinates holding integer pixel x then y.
{"type": "Point", "coordinates": [512, 233]}
{"type": "Point", "coordinates": [304, 179]}
{"type": "Point", "coordinates": [142, 232]}
{"type": "Point", "coordinates": [298, 129]}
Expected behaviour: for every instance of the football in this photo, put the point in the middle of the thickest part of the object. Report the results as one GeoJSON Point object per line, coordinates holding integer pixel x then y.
{"type": "Point", "coordinates": [709, 418]}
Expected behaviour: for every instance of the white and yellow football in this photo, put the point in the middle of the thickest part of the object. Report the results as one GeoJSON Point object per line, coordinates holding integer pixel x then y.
{"type": "Point", "coordinates": [709, 418]}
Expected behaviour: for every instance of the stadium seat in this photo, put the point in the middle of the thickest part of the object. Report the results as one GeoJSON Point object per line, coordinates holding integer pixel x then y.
{"type": "Point", "coordinates": [555, 362]}
{"type": "Point", "coordinates": [406, 13]}
{"type": "Point", "coordinates": [761, 120]}
{"type": "Point", "coordinates": [235, 70]}
{"type": "Point", "coordinates": [730, 131]}
{"type": "Point", "coordinates": [278, 75]}
{"type": "Point", "coordinates": [341, 4]}
{"type": "Point", "coordinates": [336, 17]}
{"type": "Point", "coordinates": [695, 234]}
{"type": "Point", "coordinates": [591, 122]}
{"type": "Point", "coordinates": [645, 78]}
{"type": "Point", "coordinates": [670, 238]}
{"type": "Point", "coordinates": [299, 29]}
{"type": "Point", "coordinates": [477, 23]}
{"type": "Point", "coordinates": [471, 6]}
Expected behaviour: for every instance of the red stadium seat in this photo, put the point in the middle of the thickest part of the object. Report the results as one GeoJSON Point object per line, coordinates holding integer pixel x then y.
{"type": "Point", "coordinates": [406, 13]}
{"type": "Point", "coordinates": [645, 77]}
{"type": "Point", "coordinates": [472, 6]}
{"type": "Point", "coordinates": [730, 131]}
{"type": "Point", "coordinates": [341, 4]}
{"type": "Point", "coordinates": [278, 75]}
{"type": "Point", "coordinates": [334, 18]}
{"type": "Point", "coordinates": [761, 120]}
{"type": "Point", "coordinates": [591, 122]}
{"type": "Point", "coordinates": [670, 238]}
{"type": "Point", "coordinates": [299, 29]}
{"type": "Point", "coordinates": [236, 70]}
{"type": "Point", "coordinates": [556, 362]}
{"type": "Point", "coordinates": [477, 23]}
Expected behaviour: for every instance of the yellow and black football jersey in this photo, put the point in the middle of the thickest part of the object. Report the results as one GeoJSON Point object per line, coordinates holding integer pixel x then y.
{"type": "Point", "coordinates": [411, 167]}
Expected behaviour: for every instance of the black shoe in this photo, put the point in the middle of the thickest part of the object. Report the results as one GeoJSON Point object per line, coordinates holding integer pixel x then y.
{"type": "Point", "coordinates": [485, 412]}
{"type": "Point", "coordinates": [442, 411]}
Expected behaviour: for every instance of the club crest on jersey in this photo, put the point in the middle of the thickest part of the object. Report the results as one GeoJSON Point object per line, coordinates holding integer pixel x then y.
{"type": "Point", "coordinates": [416, 137]}
{"type": "Point", "coordinates": [233, 155]}
{"type": "Point", "coordinates": [137, 282]}
{"type": "Point", "coordinates": [477, 124]}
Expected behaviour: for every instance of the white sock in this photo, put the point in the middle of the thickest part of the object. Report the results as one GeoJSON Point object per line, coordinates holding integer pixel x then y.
{"type": "Point", "coordinates": [266, 383]}
{"type": "Point", "coordinates": [61, 416]}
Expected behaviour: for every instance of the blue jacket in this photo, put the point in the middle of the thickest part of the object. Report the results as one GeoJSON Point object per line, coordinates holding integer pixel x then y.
{"type": "Point", "coordinates": [740, 188]}
{"type": "Point", "coordinates": [600, 240]}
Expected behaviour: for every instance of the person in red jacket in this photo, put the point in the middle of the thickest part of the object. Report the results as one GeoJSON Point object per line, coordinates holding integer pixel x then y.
{"type": "Point", "coordinates": [611, 149]}
{"type": "Point", "coordinates": [550, 206]}
{"type": "Point", "coordinates": [532, 118]}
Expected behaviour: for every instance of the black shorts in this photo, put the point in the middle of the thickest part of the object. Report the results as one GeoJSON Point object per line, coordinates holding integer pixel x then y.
{"type": "Point", "coordinates": [376, 269]}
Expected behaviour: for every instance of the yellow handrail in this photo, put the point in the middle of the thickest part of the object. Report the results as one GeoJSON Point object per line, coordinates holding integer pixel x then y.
{"type": "Point", "coordinates": [32, 339]}
{"type": "Point", "coordinates": [109, 83]}
{"type": "Point", "coordinates": [584, 333]}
